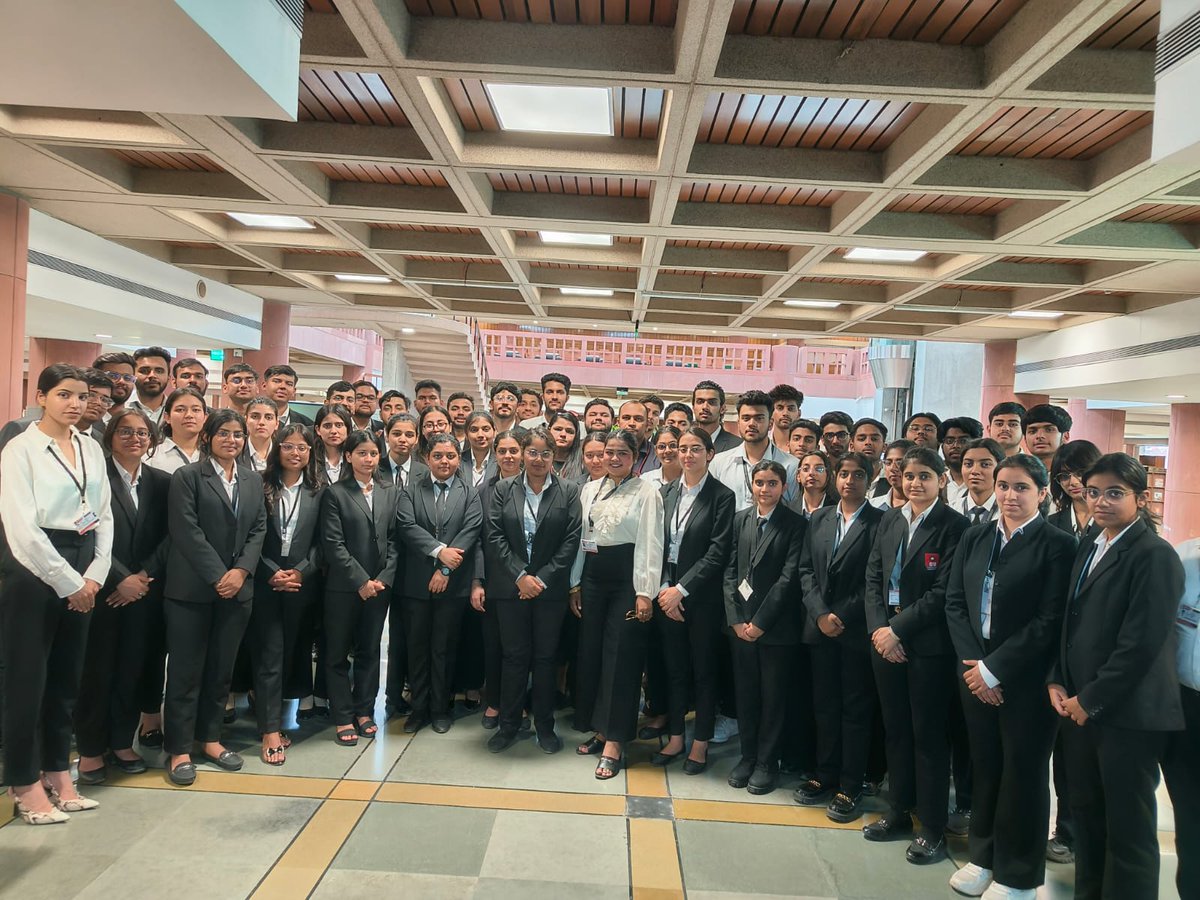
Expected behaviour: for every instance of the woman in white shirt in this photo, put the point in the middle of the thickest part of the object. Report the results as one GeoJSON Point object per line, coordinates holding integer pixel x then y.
{"type": "Point", "coordinates": [333, 425]}
{"type": "Point", "coordinates": [893, 471]}
{"type": "Point", "coordinates": [666, 448]}
{"type": "Point", "coordinates": [593, 456]}
{"type": "Point", "coordinates": [262, 420]}
{"type": "Point", "coordinates": [55, 506]}
{"type": "Point", "coordinates": [478, 461]}
{"type": "Point", "coordinates": [182, 418]}
{"type": "Point", "coordinates": [617, 574]}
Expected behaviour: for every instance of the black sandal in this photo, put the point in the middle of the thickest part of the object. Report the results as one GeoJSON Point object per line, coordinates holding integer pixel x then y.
{"type": "Point", "coordinates": [274, 756]}
{"type": "Point", "coordinates": [367, 729]}
{"type": "Point", "coordinates": [346, 736]}
{"type": "Point", "coordinates": [590, 747]}
{"type": "Point", "coordinates": [151, 738]}
{"type": "Point", "coordinates": [609, 767]}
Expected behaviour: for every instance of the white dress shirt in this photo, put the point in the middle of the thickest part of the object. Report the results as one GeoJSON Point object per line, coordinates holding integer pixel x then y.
{"type": "Point", "coordinates": [1103, 545]}
{"type": "Point", "coordinates": [966, 504]}
{"type": "Point", "coordinates": [884, 501]}
{"type": "Point", "coordinates": [169, 457]}
{"type": "Point", "coordinates": [229, 484]}
{"type": "Point", "coordinates": [529, 514]}
{"type": "Point", "coordinates": [258, 463]}
{"type": "Point", "coordinates": [732, 468]}
{"type": "Point", "coordinates": [677, 524]}
{"type": "Point", "coordinates": [36, 493]}
{"type": "Point", "coordinates": [404, 470]}
{"type": "Point", "coordinates": [334, 472]}
{"type": "Point", "coordinates": [367, 492]}
{"type": "Point", "coordinates": [633, 514]}
{"type": "Point", "coordinates": [954, 492]}
{"type": "Point", "coordinates": [289, 515]}
{"type": "Point", "coordinates": [154, 415]}
{"type": "Point", "coordinates": [985, 600]}
{"type": "Point", "coordinates": [1187, 623]}
{"type": "Point", "coordinates": [131, 482]}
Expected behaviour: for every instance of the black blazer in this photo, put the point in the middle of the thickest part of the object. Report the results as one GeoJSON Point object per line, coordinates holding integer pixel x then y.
{"type": "Point", "coordinates": [207, 538]}
{"type": "Point", "coordinates": [920, 620]}
{"type": "Point", "coordinates": [386, 471]}
{"type": "Point", "coordinates": [796, 504]}
{"type": "Point", "coordinates": [1117, 649]}
{"type": "Point", "coordinates": [304, 555]}
{"type": "Point", "coordinates": [706, 543]}
{"type": "Point", "coordinates": [1029, 591]}
{"type": "Point", "coordinates": [555, 542]}
{"type": "Point", "coordinates": [467, 469]}
{"type": "Point", "coordinates": [298, 418]}
{"type": "Point", "coordinates": [833, 582]}
{"type": "Point", "coordinates": [357, 538]}
{"type": "Point", "coordinates": [725, 440]}
{"type": "Point", "coordinates": [140, 539]}
{"type": "Point", "coordinates": [417, 533]}
{"type": "Point", "coordinates": [1061, 519]}
{"type": "Point", "coordinates": [771, 564]}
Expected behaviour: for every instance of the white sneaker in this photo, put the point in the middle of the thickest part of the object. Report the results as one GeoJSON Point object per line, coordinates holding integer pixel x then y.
{"type": "Point", "coordinates": [971, 880]}
{"type": "Point", "coordinates": [1003, 892]}
{"type": "Point", "coordinates": [724, 730]}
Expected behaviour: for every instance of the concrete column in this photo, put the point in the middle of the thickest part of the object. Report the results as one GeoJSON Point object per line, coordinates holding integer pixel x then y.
{"type": "Point", "coordinates": [1181, 513]}
{"type": "Point", "coordinates": [1103, 427]}
{"type": "Point", "coordinates": [275, 338]}
{"type": "Point", "coordinates": [396, 374]}
{"type": "Point", "coordinates": [14, 252]}
{"type": "Point", "coordinates": [999, 373]}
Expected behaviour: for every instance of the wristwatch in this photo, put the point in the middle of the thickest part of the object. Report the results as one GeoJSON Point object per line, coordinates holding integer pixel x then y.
{"type": "Point", "coordinates": [445, 570]}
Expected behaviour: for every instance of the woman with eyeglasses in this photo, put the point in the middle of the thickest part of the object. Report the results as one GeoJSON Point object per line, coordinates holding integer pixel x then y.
{"type": "Point", "coordinates": [532, 533]}
{"type": "Point", "coordinates": [262, 420]}
{"type": "Point", "coordinates": [333, 426]}
{"type": "Point", "coordinates": [284, 586]}
{"type": "Point", "coordinates": [433, 420]}
{"type": "Point", "coordinates": [592, 446]}
{"type": "Point", "coordinates": [358, 516]}
{"type": "Point", "coordinates": [1004, 607]}
{"type": "Point", "coordinates": [564, 428]}
{"type": "Point", "coordinates": [479, 463]}
{"type": "Point", "coordinates": [666, 448]}
{"type": "Point", "coordinates": [893, 471]}
{"type": "Point", "coordinates": [914, 659]}
{"type": "Point", "coordinates": [1072, 513]}
{"type": "Point", "coordinates": [616, 575]}
{"type": "Point", "coordinates": [106, 717]}
{"type": "Point", "coordinates": [182, 419]}
{"type": "Point", "coordinates": [55, 506]}
{"type": "Point", "coordinates": [814, 484]}
{"type": "Point", "coordinates": [217, 521]}
{"type": "Point", "coordinates": [1115, 679]}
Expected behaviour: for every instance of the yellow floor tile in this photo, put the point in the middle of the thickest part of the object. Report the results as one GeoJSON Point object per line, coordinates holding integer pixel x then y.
{"type": "Point", "coordinates": [501, 798]}
{"type": "Point", "coordinates": [654, 860]}
{"type": "Point", "coordinates": [761, 814]}
{"type": "Point", "coordinates": [646, 781]}
{"type": "Point", "coordinates": [354, 790]}
{"type": "Point", "coordinates": [233, 783]}
{"type": "Point", "coordinates": [305, 861]}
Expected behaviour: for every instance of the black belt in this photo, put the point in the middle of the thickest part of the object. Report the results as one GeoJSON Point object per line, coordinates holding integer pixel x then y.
{"type": "Point", "coordinates": [65, 537]}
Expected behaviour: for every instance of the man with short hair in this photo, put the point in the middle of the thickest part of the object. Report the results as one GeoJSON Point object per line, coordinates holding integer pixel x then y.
{"type": "Point", "coordinates": [1046, 428]}
{"type": "Point", "coordinates": [119, 369]}
{"type": "Point", "coordinates": [279, 383]}
{"type": "Point", "coordinates": [598, 415]}
{"type": "Point", "coordinates": [392, 403]}
{"type": "Point", "coordinates": [366, 402]}
{"type": "Point", "coordinates": [190, 372]}
{"type": "Point", "coordinates": [459, 406]}
{"type": "Point", "coordinates": [632, 417]}
{"type": "Point", "coordinates": [340, 393]}
{"type": "Point", "coordinates": [556, 391]}
{"type": "Point", "coordinates": [239, 383]}
{"type": "Point", "coordinates": [529, 405]}
{"type": "Point", "coordinates": [1004, 426]}
{"type": "Point", "coordinates": [678, 415]}
{"type": "Point", "coordinates": [956, 434]}
{"type": "Point", "coordinates": [502, 401]}
{"type": "Point", "coordinates": [654, 407]}
{"type": "Point", "coordinates": [785, 409]}
{"type": "Point", "coordinates": [708, 407]}
{"type": "Point", "coordinates": [835, 433]}
{"type": "Point", "coordinates": [924, 429]}
{"type": "Point", "coordinates": [99, 400]}
{"type": "Point", "coordinates": [732, 467]}
{"type": "Point", "coordinates": [152, 368]}
{"type": "Point", "coordinates": [427, 393]}
{"type": "Point", "coordinates": [869, 437]}
{"type": "Point", "coordinates": [804, 436]}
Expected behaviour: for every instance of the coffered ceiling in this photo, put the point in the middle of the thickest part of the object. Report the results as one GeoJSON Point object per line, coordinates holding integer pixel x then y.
{"type": "Point", "coordinates": [755, 145]}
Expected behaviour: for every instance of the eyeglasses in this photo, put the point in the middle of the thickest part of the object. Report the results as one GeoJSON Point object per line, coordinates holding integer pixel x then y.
{"type": "Point", "coordinates": [101, 399]}
{"type": "Point", "coordinates": [364, 396]}
{"type": "Point", "coordinates": [140, 433]}
{"type": "Point", "coordinates": [956, 441]}
{"type": "Point", "coordinates": [923, 429]}
{"type": "Point", "coordinates": [1112, 495]}
{"type": "Point", "coordinates": [539, 454]}
{"type": "Point", "coordinates": [836, 435]}
{"type": "Point", "coordinates": [294, 448]}
{"type": "Point", "coordinates": [244, 379]}
{"type": "Point", "coordinates": [1065, 477]}
{"type": "Point", "coordinates": [820, 470]}
{"type": "Point", "coordinates": [692, 450]}
{"type": "Point", "coordinates": [117, 376]}
{"type": "Point", "coordinates": [231, 435]}
{"type": "Point", "coordinates": [661, 447]}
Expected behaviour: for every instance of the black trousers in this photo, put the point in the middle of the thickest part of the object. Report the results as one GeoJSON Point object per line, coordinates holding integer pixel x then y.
{"type": "Point", "coordinates": [1064, 824]}
{"type": "Point", "coordinates": [656, 681]}
{"type": "Point", "coordinates": [800, 727]}
{"type": "Point", "coordinates": [916, 698]}
{"type": "Point", "coordinates": [353, 624]}
{"type": "Point", "coordinates": [1114, 773]}
{"type": "Point", "coordinates": [843, 698]}
{"type": "Point", "coordinates": [493, 655]}
{"type": "Point", "coordinates": [689, 656]}
{"type": "Point", "coordinates": [1010, 748]}
{"type": "Point", "coordinates": [431, 624]}
{"type": "Point", "coordinates": [310, 676]}
{"type": "Point", "coordinates": [762, 676]}
{"type": "Point", "coordinates": [202, 645]}
{"type": "Point", "coordinates": [1179, 765]}
{"type": "Point", "coordinates": [960, 757]}
{"type": "Point", "coordinates": [469, 663]}
{"type": "Point", "coordinates": [397, 651]}
{"type": "Point", "coordinates": [608, 597]}
{"type": "Point", "coordinates": [109, 706]}
{"type": "Point", "coordinates": [153, 676]}
{"type": "Point", "coordinates": [272, 637]}
{"type": "Point", "coordinates": [44, 644]}
{"type": "Point", "coordinates": [528, 632]}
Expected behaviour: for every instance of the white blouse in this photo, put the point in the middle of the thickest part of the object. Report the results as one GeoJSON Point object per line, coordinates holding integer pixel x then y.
{"type": "Point", "coordinates": [633, 514]}
{"type": "Point", "coordinates": [169, 457]}
{"type": "Point", "coordinates": [36, 492]}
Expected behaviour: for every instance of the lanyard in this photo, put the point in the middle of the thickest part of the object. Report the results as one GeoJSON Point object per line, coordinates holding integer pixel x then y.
{"type": "Point", "coordinates": [681, 524]}
{"type": "Point", "coordinates": [287, 520]}
{"type": "Point", "coordinates": [182, 455]}
{"type": "Point", "coordinates": [616, 487]}
{"type": "Point", "coordinates": [996, 550]}
{"type": "Point", "coordinates": [82, 488]}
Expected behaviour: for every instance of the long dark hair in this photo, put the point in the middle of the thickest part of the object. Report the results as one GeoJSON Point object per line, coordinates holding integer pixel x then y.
{"type": "Point", "coordinates": [273, 473]}
{"type": "Point", "coordinates": [173, 398]}
{"type": "Point", "coordinates": [52, 376]}
{"type": "Point", "coordinates": [1131, 473]}
{"type": "Point", "coordinates": [114, 423]}
{"type": "Point", "coordinates": [830, 490]}
{"type": "Point", "coordinates": [1073, 456]}
{"type": "Point", "coordinates": [212, 425]}
{"type": "Point", "coordinates": [353, 442]}
{"type": "Point", "coordinates": [572, 467]}
{"type": "Point", "coordinates": [424, 446]}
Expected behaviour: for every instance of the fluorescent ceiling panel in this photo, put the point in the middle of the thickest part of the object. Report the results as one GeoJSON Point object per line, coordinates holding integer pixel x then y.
{"type": "Point", "coordinates": [1035, 314]}
{"type": "Point", "coordinates": [876, 254]}
{"type": "Point", "coordinates": [576, 237]}
{"type": "Point", "coordinates": [586, 292]}
{"type": "Point", "coordinates": [363, 279]}
{"type": "Point", "coordinates": [552, 108]}
{"type": "Point", "coordinates": [813, 304]}
{"type": "Point", "coordinates": [270, 220]}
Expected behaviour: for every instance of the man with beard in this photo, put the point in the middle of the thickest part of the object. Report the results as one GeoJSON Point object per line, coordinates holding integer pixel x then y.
{"type": "Point", "coordinates": [366, 404]}
{"type": "Point", "coordinates": [119, 369]}
{"type": "Point", "coordinates": [869, 437]}
{"type": "Point", "coordinates": [708, 406]}
{"type": "Point", "coordinates": [924, 429]}
{"type": "Point", "coordinates": [459, 406]}
{"type": "Point", "coordinates": [556, 391]}
{"type": "Point", "coordinates": [240, 385]}
{"type": "Point", "coordinates": [152, 367]}
{"type": "Point", "coordinates": [632, 417]}
{"type": "Point", "coordinates": [502, 401]}
{"type": "Point", "coordinates": [835, 433]}
{"type": "Point", "coordinates": [598, 416]}
{"type": "Point", "coordinates": [190, 372]}
{"type": "Point", "coordinates": [654, 407]}
{"type": "Point", "coordinates": [1004, 426]}
{"type": "Point", "coordinates": [1046, 428]}
{"type": "Point", "coordinates": [529, 405]}
{"type": "Point", "coordinates": [785, 409]}
{"type": "Point", "coordinates": [956, 434]}
{"type": "Point", "coordinates": [733, 467]}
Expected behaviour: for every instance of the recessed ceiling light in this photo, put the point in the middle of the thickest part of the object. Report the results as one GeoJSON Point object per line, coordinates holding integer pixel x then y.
{"type": "Point", "coordinates": [576, 237]}
{"type": "Point", "coordinates": [103, 337]}
{"type": "Point", "coordinates": [594, 325]}
{"type": "Point", "coordinates": [586, 292]}
{"type": "Point", "coordinates": [554, 108]}
{"type": "Point", "coordinates": [362, 279]}
{"type": "Point", "coordinates": [270, 220]}
{"type": "Point", "coordinates": [408, 331]}
{"type": "Point", "coordinates": [813, 304]}
{"type": "Point", "coordinates": [1176, 396]}
{"type": "Point", "coordinates": [876, 254]}
{"type": "Point", "coordinates": [1035, 314]}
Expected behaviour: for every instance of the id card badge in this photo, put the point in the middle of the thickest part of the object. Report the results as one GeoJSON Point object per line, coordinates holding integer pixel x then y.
{"type": "Point", "coordinates": [589, 547]}
{"type": "Point", "coordinates": [745, 590]}
{"type": "Point", "coordinates": [1189, 617]}
{"type": "Point", "coordinates": [86, 522]}
{"type": "Point", "coordinates": [893, 598]}
{"type": "Point", "coordinates": [673, 553]}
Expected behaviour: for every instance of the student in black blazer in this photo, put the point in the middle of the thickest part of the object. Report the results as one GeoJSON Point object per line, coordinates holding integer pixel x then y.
{"type": "Point", "coordinates": [814, 484]}
{"type": "Point", "coordinates": [217, 521]}
{"type": "Point", "coordinates": [689, 611]}
{"type": "Point", "coordinates": [358, 517]}
{"type": "Point", "coordinates": [836, 548]}
{"type": "Point", "coordinates": [284, 585]}
{"type": "Point", "coordinates": [438, 520]}
{"type": "Point", "coordinates": [108, 709]}
{"type": "Point", "coordinates": [1004, 606]}
{"type": "Point", "coordinates": [533, 529]}
{"type": "Point", "coordinates": [914, 658]}
{"type": "Point", "coordinates": [478, 468]}
{"type": "Point", "coordinates": [479, 461]}
{"type": "Point", "coordinates": [1116, 680]}
{"type": "Point", "coordinates": [1067, 472]}
{"type": "Point", "coordinates": [762, 608]}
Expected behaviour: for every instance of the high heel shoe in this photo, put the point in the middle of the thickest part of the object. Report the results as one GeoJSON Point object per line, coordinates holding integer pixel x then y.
{"type": "Point", "coordinates": [75, 804]}
{"type": "Point", "coordinates": [53, 817]}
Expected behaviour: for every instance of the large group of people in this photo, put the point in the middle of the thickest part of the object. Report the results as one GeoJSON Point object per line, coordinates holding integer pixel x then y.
{"type": "Point", "coordinates": [970, 604]}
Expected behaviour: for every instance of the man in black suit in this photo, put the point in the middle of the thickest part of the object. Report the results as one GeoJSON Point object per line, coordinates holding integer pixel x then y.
{"type": "Point", "coordinates": [763, 610]}
{"type": "Point", "coordinates": [708, 407]}
{"type": "Point", "coordinates": [279, 383]}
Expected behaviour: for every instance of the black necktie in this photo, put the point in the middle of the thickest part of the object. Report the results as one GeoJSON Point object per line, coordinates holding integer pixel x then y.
{"type": "Point", "coordinates": [440, 502]}
{"type": "Point", "coordinates": [762, 524]}
{"type": "Point", "coordinates": [399, 476]}
{"type": "Point", "coordinates": [977, 515]}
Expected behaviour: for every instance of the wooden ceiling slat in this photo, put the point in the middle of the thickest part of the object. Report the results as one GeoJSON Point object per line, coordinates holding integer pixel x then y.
{"type": "Point", "coordinates": [663, 12]}
{"type": "Point", "coordinates": [319, 6]}
{"type": "Point", "coordinates": [348, 98]}
{"type": "Point", "coordinates": [837, 19]}
{"type": "Point", "coordinates": [342, 96]}
{"type": "Point", "coordinates": [744, 118]}
{"type": "Point", "coordinates": [614, 11]}
{"type": "Point", "coordinates": [781, 120]}
{"type": "Point", "coordinates": [564, 12]}
{"type": "Point", "coordinates": [1133, 28]}
{"type": "Point", "coordinates": [758, 17]}
{"type": "Point", "coordinates": [730, 192]}
{"type": "Point", "coordinates": [969, 22]}
{"type": "Point", "coordinates": [841, 124]}
{"type": "Point", "coordinates": [380, 93]}
{"type": "Point", "coordinates": [1120, 127]}
{"type": "Point", "coordinates": [811, 122]}
{"type": "Point", "coordinates": [787, 17]}
{"type": "Point", "coordinates": [915, 17]}
{"type": "Point", "coordinates": [324, 106]}
{"type": "Point", "coordinates": [1052, 133]}
{"type": "Point", "coordinates": [442, 8]}
{"type": "Point", "coordinates": [168, 160]}
{"type": "Point", "coordinates": [1049, 130]}
{"type": "Point", "coordinates": [652, 108]}
{"type": "Point", "coordinates": [540, 12]}
{"type": "Point", "coordinates": [812, 17]}
{"type": "Point", "coordinates": [938, 22]}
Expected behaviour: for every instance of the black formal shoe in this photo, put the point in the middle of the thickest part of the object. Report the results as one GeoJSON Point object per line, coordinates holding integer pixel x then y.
{"type": "Point", "coordinates": [665, 759]}
{"type": "Point", "coordinates": [415, 723]}
{"type": "Point", "coordinates": [230, 716]}
{"type": "Point", "coordinates": [763, 781]}
{"type": "Point", "coordinates": [892, 827]}
{"type": "Point", "coordinates": [871, 788]}
{"type": "Point", "coordinates": [812, 793]}
{"type": "Point", "coordinates": [526, 723]}
{"type": "Point", "coordinates": [590, 747]}
{"type": "Point", "coordinates": [471, 705]}
{"type": "Point", "coordinates": [128, 766]}
{"type": "Point", "coordinates": [959, 822]}
{"type": "Point", "coordinates": [650, 732]}
{"type": "Point", "coordinates": [843, 808]}
{"type": "Point", "coordinates": [93, 776]}
{"type": "Point", "coordinates": [1057, 850]}
{"type": "Point", "coordinates": [501, 740]}
{"type": "Point", "coordinates": [321, 711]}
{"type": "Point", "coordinates": [228, 760]}
{"type": "Point", "coordinates": [152, 738]}
{"type": "Point", "coordinates": [183, 774]}
{"type": "Point", "coordinates": [691, 767]}
{"type": "Point", "coordinates": [441, 724]}
{"type": "Point", "coordinates": [549, 742]}
{"type": "Point", "coordinates": [400, 708]}
{"type": "Point", "coordinates": [561, 700]}
{"type": "Point", "coordinates": [303, 715]}
{"type": "Point", "coordinates": [740, 776]}
{"type": "Point", "coordinates": [490, 722]}
{"type": "Point", "coordinates": [923, 851]}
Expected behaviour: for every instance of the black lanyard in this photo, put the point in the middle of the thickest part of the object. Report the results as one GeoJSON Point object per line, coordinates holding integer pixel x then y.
{"type": "Point", "coordinates": [617, 487]}
{"type": "Point", "coordinates": [82, 488]}
{"type": "Point", "coordinates": [681, 525]}
{"type": "Point", "coordinates": [287, 520]}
